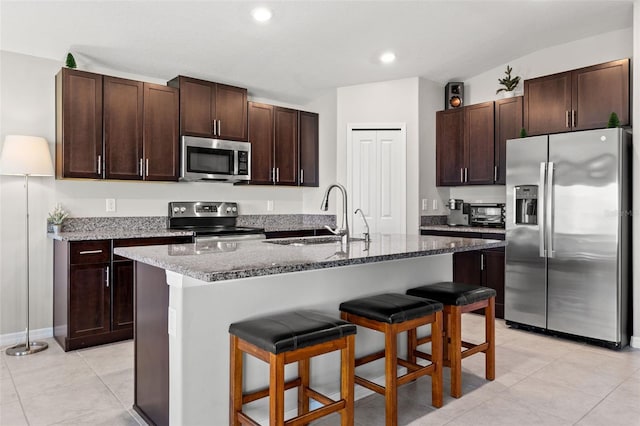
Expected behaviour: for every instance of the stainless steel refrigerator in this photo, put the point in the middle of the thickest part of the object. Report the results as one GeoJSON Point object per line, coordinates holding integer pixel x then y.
{"type": "Point", "coordinates": [568, 233]}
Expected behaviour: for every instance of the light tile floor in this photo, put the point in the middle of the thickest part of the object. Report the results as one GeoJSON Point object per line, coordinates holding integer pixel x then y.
{"type": "Point", "coordinates": [540, 380]}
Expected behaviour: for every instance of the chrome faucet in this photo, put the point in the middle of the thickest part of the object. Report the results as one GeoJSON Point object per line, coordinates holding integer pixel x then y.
{"type": "Point", "coordinates": [343, 231]}
{"type": "Point", "coordinates": [367, 237]}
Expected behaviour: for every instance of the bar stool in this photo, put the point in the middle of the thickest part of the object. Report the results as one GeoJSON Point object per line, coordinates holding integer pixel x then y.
{"type": "Point", "coordinates": [392, 314]}
{"type": "Point", "coordinates": [284, 338]}
{"type": "Point", "coordinates": [459, 298]}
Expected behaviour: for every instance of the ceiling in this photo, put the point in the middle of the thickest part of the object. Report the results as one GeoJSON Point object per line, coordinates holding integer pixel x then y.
{"type": "Point", "coordinates": [308, 47]}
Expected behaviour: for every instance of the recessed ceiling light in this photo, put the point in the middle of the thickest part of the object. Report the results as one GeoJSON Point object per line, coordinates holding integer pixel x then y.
{"type": "Point", "coordinates": [387, 57]}
{"type": "Point", "coordinates": [261, 14]}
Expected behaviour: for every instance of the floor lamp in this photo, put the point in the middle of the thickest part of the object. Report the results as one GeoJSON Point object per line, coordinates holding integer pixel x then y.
{"type": "Point", "coordinates": [26, 156]}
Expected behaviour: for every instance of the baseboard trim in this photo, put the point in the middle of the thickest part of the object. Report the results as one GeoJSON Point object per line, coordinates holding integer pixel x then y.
{"type": "Point", "coordinates": [635, 342]}
{"type": "Point", "coordinates": [11, 339]}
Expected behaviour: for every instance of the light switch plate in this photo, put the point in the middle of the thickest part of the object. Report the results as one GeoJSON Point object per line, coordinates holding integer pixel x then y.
{"type": "Point", "coordinates": [270, 205]}
{"type": "Point", "coordinates": [435, 204]}
{"type": "Point", "coordinates": [425, 204]}
{"type": "Point", "coordinates": [111, 204]}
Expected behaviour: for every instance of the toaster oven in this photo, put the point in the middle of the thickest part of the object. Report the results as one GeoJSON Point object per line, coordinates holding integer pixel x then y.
{"type": "Point", "coordinates": [486, 214]}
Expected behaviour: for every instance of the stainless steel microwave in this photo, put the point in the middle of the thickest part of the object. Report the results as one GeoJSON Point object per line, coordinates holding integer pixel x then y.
{"type": "Point", "coordinates": [214, 159]}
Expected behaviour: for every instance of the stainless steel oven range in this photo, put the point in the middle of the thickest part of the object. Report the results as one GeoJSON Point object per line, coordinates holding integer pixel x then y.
{"type": "Point", "coordinates": [210, 221]}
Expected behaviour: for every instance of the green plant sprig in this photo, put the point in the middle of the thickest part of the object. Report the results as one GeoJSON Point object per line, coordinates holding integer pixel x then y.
{"type": "Point", "coordinates": [508, 82]}
{"type": "Point", "coordinates": [58, 215]}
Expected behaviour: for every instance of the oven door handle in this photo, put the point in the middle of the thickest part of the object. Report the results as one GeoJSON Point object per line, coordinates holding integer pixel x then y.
{"type": "Point", "coordinates": [236, 237]}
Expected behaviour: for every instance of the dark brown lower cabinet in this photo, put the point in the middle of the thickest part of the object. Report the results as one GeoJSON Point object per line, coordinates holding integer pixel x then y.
{"type": "Point", "coordinates": [482, 267]}
{"type": "Point", "coordinates": [93, 291]}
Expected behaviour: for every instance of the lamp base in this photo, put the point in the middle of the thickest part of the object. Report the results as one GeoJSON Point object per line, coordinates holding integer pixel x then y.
{"type": "Point", "coordinates": [21, 349]}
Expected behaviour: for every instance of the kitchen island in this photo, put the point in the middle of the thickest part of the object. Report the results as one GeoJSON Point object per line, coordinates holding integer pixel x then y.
{"type": "Point", "coordinates": [182, 376]}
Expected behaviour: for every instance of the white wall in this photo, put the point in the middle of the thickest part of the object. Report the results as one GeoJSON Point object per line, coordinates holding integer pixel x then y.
{"type": "Point", "coordinates": [27, 98]}
{"type": "Point", "coordinates": [581, 53]}
{"type": "Point", "coordinates": [386, 102]}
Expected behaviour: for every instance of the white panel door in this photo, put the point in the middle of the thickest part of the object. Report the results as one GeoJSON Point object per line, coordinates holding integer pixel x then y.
{"type": "Point", "coordinates": [378, 181]}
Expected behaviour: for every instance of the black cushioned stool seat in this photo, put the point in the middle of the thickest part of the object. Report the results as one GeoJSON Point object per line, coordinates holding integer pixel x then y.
{"type": "Point", "coordinates": [459, 298]}
{"type": "Point", "coordinates": [287, 337]}
{"type": "Point", "coordinates": [391, 314]}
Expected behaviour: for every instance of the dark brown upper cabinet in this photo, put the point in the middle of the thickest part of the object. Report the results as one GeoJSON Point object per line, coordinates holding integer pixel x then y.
{"type": "Point", "coordinates": [261, 137]}
{"type": "Point", "coordinates": [508, 123]}
{"type": "Point", "coordinates": [285, 132]}
{"type": "Point", "coordinates": [580, 99]}
{"type": "Point", "coordinates": [479, 145]}
{"type": "Point", "coordinates": [309, 146]}
{"type": "Point", "coordinates": [78, 124]}
{"type": "Point", "coordinates": [465, 145]}
{"type": "Point", "coordinates": [161, 133]}
{"type": "Point", "coordinates": [450, 147]}
{"type": "Point", "coordinates": [211, 110]}
{"type": "Point", "coordinates": [123, 115]}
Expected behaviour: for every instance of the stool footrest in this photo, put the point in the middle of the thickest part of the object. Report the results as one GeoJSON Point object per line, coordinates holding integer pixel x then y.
{"type": "Point", "coordinates": [473, 349]}
{"type": "Point", "coordinates": [422, 355]}
{"type": "Point", "coordinates": [369, 385]}
{"type": "Point", "coordinates": [414, 375]}
{"type": "Point", "coordinates": [323, 399]}
{"type": "Point", "coordinates": [316, 414]}
{"type": "Point", "coordinates": [246, 420]}
{"type": "Point", "coordinates": [263, 393]}
{"type": "Point", "coordinates": [369, 358]}
{"type": "Point", "coordinates": [423, 340]}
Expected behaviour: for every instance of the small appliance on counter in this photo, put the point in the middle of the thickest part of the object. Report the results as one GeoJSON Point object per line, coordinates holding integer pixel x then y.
{"type": "Point", "coordinates": [491, 215]}
{"type": "Point", "coordinates": [210, 221]}
{"type": "Point", "coordinates": [458, 213]}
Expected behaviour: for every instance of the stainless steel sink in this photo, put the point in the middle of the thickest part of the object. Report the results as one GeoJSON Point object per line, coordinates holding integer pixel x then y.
{"type": "Point", "coordinates": [305, 241]}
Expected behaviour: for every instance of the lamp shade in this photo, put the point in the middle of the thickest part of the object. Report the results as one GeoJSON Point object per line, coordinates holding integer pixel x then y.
{"type": "Point", "coordinates": [25, 155]}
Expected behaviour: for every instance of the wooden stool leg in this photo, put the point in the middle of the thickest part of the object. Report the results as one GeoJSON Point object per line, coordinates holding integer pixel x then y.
{"type": "Point", "coordinates": [276, 390]}
{"type": "Point", "coordinates": [303, 373]}
{"type": "Point", "coordinates": [412, 343]}
{"type": "Point", "coordinates": [446, 326]}
{"type": "Point", "coordinates": [235, 382]}
{"type": "Point", "coordinates": [347, 373]}
{"type": "Point", "coordinates": [391, 375]}
{"type": "Point", "coordinates": [455, 350]}
{"type": "Point", "coordinates": [436, 360]}
{"type": "Point", "coordinates": [490, 331]}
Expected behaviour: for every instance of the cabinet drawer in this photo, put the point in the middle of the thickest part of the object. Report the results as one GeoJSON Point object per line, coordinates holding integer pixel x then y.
{"type": "Point", "coordinates": [152, 241]}
{"type": "Point", "coordinates": [89, 252]}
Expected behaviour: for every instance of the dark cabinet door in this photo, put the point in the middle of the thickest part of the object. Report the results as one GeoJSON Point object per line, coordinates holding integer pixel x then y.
{"type": "Point", "coordinates": [508, 123]}
{"type": "Point", "coordinates": [547, 104]}
{"type": "Point", "coordinates": [493, 276]}
{"type": "Point", "coordinates": [197, 106]}
{"type": "Point", "coordinates": [122, 298]}
{"type": "Point", "coordinates": [261, 138]}
{"type": "Point", "coordinates": [161, 133]}
{"type": "Point", "coordinates": [123, 115]}
{"type": "Point", "coordinates": [467, 267]}
{"type": "Point", "coordinates": [479, 152]}
{"type": "Point", "coordinates": [231, 112]}
{"type": "Point", "coordinates": [89, 299]}
{"type": "Point", "coordinates": [597, 92]}
{"type": "Point", "coordinates": [286, 145]}
{"type": "Point", "coordinates": [78, 124]}
{"type": "Point", "coordinates": [309, 146]}
{"type": "Point", "coordinates": [450, 147]}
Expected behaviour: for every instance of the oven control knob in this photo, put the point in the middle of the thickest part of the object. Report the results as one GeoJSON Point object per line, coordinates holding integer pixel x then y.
{"type": "Point", "coordinates": [234, 209]}
{"type": "Point", "coordinates": [183, 209]}
{"type": "Point", "coordinates": [228, 209]}
{"type": "Point", "coordinates": [176, 209]}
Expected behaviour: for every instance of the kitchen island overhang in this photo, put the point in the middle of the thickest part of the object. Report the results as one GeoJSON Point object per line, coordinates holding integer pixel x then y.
{"type": "Point", "coordinates": [210, 288]}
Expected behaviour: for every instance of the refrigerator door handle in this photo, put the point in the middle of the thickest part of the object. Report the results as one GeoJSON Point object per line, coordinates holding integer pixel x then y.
{"type": "Point", "coordinates": [549, 212]}
{"type": "Point", "coordinates": [541, 210]}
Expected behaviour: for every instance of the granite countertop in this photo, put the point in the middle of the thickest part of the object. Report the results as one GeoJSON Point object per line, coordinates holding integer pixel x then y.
{"type": "Point", "coordinates": [232, 260]}
{"type": "Point", "coordinates": [111, 234]}
{"type": "Point", "coordinates": [481, 229]}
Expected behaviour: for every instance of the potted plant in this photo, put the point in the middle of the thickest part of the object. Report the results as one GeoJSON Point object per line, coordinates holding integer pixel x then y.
{"type": "Point", "coordinates": [614, 121]}
{"type": "Point", "coordinates": [509, 83]}
{"type": "Point", "coordinates": [57, 217]}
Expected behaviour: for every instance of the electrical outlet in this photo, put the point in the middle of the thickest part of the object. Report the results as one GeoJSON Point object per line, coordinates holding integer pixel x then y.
{"type": "Point", "coordinates": [270, 205]}
{"type": "Point", "coordinates": [425, 204]}
{"type": "Point", "coordinates": [111, 204]}
{"type": "Point", "coordinates": [435, 204]}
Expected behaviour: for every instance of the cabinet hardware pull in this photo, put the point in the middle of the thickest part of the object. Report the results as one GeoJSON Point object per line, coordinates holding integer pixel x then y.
{"type": "Point", "coordinates": [301, 176]}
{"type": "Point", "coordinates": [273, 174]}
{"type": "Point", "coordinates": [146, 168]}
{"type": "Point", "coordinates": [107, 280]}
{"type": "Point", "coordinates": [461, 175]}
{"type": "Point", "coordinates": [573, 118]}
{"type": "Point", "coordinates": [91, 252]}
{"type": "Point", "coordinates": [495, 173]}
{"type": "Point", "coordinates": [140, 167]}
{"type": "Point", "coordinates": [100, 164]}
{"type": "Point", "coordinates": [213, 127]}
{"type": "Point", "coordinates": [482, 261]}
{"type": "Point", "coordinates": [567, 114]}
{"type": "Point", "coordinates": [219, 128]}
{"type": "Point", "coordinates": [277, 174]}
{"type": "Point", "coordinates": [466, 174]}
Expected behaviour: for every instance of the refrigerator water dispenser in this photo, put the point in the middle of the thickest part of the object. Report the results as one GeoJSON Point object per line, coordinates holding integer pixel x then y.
{"type": "Point", "coordinates": [526, 205]}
